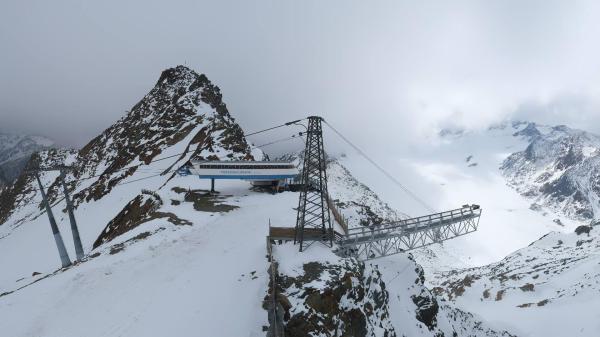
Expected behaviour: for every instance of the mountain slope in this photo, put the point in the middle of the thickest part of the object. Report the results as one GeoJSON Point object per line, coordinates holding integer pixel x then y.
{"type": "Point", "coordinates": [556, 280]}
{"type": "Point", "coordinates": [559, 169]}
{"type": "Point", "coordinates": [323, 294]}
{"type": "Point", "coordinates": [357, 203]}
{"type": "Point", "coordinates": [183, 116]}
{"type": "Point", "coordinates": [15, 151]}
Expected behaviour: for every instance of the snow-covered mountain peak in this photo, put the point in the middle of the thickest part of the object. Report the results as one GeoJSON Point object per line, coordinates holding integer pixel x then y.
{"type": "Point", "coordinates": [556, 167]}
{"type": "Point", "coordinates": [530, 132]}
{"type": "Point", "coordinates": [559, 168]}
{"type": "Point", "coordinates": [15, 150]}
{"type": "Point", "coordinates": [182, 117]}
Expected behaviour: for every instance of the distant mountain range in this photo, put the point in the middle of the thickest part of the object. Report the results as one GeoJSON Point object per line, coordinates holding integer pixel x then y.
{"type": "Point", "coordinates": [15, 151]}
{"type": "Point", "coordinates": [559, 169]}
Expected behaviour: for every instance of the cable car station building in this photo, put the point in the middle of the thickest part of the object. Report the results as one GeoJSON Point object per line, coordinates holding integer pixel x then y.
{"type": "Point", "coordinates": [259, 173]}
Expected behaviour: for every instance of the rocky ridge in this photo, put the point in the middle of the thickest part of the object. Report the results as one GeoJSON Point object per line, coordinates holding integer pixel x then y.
{"type": "Point", "coordinates": [182, 117]}
{"type": "Point", "coordinates": [559, 169]}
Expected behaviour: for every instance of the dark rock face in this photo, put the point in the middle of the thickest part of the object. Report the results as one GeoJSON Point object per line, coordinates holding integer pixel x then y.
{"type": "Point", "coordinates": [349, 298]}
{"type": "Point", "coordinates": [10, 170]}
{"type": "Point", "coordinates": [351, 303]}
{"type": "Point", "coordinates": [141, 209]}
{"type": "Point", "coordinates": [583, 230]}
{"type": "Point", "coordinates": [182, 101]}
{"type": "Point", "coordinates": [136, 212]}
{"type": "Point", "coordinates": [530, 132]}
{"type": "Point", "coordinates": [427, 309]}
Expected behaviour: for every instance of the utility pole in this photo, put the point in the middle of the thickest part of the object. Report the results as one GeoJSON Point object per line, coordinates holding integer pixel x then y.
{"type": "Point", "coordinates": [74, 229]}
{"type": "Point", "coordinates": [60, 245]}
{"type": "Point", "coordinates": [313, 221]}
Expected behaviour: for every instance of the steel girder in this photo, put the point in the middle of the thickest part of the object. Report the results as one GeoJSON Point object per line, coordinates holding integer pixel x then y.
{"type": "Point", "coordinates": [371, 243]}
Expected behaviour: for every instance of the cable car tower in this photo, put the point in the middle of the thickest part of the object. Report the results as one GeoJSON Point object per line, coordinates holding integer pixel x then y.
{"type": "Point", "coordinates": [313, 222]}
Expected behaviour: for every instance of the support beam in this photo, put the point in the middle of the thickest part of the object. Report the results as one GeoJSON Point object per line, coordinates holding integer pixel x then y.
{"type": "Point", "coordinates": [74, 229]}
{"type": "Point", "coordinates": [313, 209]}
{"type": "Point", "coordinates": [60, 245]}
{"type": "Point", "coordinates": [373, 242]}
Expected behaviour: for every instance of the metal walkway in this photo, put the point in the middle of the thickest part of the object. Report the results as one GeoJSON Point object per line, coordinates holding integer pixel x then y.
{"type": "Point", "coordinates": [388, 239]}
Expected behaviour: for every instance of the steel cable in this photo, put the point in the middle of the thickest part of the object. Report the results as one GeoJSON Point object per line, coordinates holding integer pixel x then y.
{"type": "Point", "coordinates": [381, 169]}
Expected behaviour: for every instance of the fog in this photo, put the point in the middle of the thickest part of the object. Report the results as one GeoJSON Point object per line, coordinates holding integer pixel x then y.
{"type": "Point", "coordinates": [383, 72]}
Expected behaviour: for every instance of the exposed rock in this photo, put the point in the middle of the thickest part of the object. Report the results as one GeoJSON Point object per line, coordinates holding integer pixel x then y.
{"type": "Point", "coordinates": [559, 170]}
{"type": "Point", "coordinates": [530, 132]}
{"type": "Point", "coordinates": [352, 301]}
{"type": "Point", "coordinates": [141, 209]}
{"type": "Point", "coordinates": [427, 309]}
{"type": "Point", "coordinates": [181, 118]}
{"type": "Point", "coordinates": [583, 230]}
{"type": "Point", "coordinates": [527, 287]}
{"type": "Point", "coordinates": [181, 102]}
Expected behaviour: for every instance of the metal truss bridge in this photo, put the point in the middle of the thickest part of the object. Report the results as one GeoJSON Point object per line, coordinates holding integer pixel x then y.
{"type": "Point", "coordinates": [314, 223]}
{"type": "Point", "coordinates": [387, 239]}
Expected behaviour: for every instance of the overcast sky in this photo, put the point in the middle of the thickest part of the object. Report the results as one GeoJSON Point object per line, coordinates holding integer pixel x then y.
{"type": "Point", "coordinates": [379, 70]}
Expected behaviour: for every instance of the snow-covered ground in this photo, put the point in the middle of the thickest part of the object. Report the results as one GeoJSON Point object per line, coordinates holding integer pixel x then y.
{"type": "Point", "coordinates": [208, 278]}
{"type": "Point", "coordinates": [550, 288]}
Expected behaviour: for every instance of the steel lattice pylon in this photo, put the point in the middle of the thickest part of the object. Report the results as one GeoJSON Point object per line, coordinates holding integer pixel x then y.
{"type": "Point", "coordinates": [313, 222]}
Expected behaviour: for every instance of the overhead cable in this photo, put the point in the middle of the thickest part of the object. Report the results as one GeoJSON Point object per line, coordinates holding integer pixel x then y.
{"type": "Point", "coordinates": [381, 169]}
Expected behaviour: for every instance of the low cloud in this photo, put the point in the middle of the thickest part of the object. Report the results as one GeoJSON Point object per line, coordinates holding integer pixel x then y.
{"type": "Point", "coordinates": [391, 73]}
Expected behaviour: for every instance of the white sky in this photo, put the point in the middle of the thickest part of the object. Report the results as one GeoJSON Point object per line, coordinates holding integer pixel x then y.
{"type": "Point", "coordinates": [383, 71]}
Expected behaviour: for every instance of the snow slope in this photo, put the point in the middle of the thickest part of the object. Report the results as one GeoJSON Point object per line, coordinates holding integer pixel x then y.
{"type": "Point", "coordinates": [327, 294]}
{"type": "Point", "coordinates": [357, 203]}
{"type": "Point", "coordinates": [207, 278]}
{"type": "Point", "coordinates": [181, 117]}
{"type": "Point", "coordinates": [165, 273]}
{"type": "Point", "coordinates": [547, 288]}
{"type": "Point", "coordinates": [550, 288]}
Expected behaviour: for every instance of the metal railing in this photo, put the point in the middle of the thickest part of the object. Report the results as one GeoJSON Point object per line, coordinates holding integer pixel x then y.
{"type": "Point", "coordinates": [337, 214]}
{"type": "Point", "coordinates": [402, 235]}
{"type": "Point", "coordinates": [276, 326]}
